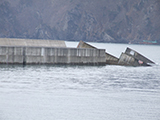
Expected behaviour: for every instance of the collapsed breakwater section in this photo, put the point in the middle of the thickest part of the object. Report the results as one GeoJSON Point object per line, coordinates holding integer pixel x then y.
{"type": "Point", "coordinates": [129, 58]}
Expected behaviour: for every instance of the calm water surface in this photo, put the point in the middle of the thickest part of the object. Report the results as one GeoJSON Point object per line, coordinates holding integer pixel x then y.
{"type": "Point", "coordinates": [42, 92]}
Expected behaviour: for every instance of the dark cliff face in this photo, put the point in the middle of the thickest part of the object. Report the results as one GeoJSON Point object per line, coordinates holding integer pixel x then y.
{"type": "Point", "coordinates": [88, 20]}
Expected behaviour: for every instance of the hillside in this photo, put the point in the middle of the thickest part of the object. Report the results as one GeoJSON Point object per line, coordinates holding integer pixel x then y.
{"type": "Point", "coordinates": [120, 21]}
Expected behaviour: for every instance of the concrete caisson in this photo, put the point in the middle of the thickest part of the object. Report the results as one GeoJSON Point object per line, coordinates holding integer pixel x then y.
{"type": "Point", "coordinates": [48, 55]}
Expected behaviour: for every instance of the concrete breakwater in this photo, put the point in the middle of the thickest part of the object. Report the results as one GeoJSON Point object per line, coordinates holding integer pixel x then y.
{"type": "Point", "coordinates": [48, 55]}
{"type": "Point", "coordinates": [30, 51]}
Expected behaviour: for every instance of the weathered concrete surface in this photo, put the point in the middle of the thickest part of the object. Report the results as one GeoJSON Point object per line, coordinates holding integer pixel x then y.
{"type": "Point", "coordinates": [126, 60]}
{"type": "Point", "coordinates": [48, 55]}
{"type": "Point", "coordinates": [110, 59]}
{"type": "Point", "coordinates": [31, 42]}
{"type": "Point", "coordinates": [133, 58]}
{"type": "Point", "coordinates": [138, 55]}
{"type": "Point", "coordinates": [85, 45]}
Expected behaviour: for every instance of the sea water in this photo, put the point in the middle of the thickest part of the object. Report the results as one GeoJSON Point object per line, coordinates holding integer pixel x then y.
{"type": "Point", "coordinates": [58, 92]}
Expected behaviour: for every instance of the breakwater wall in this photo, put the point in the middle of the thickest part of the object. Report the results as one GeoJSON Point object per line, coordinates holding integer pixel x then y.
{"type": "Point", "coordinates": [31, 42]}
{"type": "Point", "coordinates": [51, 55]}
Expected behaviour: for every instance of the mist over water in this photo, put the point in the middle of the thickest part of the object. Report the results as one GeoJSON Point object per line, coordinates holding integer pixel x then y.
{"type": "Point", "coordinates": [53, 92]}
